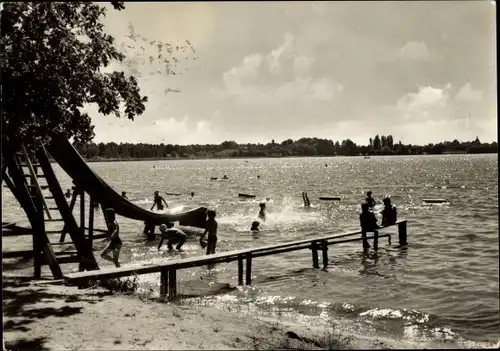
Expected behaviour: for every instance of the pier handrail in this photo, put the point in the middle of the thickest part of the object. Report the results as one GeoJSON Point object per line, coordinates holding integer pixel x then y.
{"type": "Point", "coordinates": [227, 256]}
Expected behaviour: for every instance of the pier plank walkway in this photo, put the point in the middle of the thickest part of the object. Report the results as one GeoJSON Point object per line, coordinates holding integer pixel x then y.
{"type": "Point", "coordinates": [169, 268]}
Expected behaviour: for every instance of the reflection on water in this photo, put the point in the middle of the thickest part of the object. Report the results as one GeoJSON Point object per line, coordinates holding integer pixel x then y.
{"type": "Point", "coordinates": [426, 292]}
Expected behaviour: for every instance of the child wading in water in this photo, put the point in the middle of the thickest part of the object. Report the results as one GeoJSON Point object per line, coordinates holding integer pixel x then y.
{"type": "Point", "coordinates": [158, 201]}
{"type": "Point", "coordinates": [115, 243]}
{"type": "Point", "coordinates": [212, 232]}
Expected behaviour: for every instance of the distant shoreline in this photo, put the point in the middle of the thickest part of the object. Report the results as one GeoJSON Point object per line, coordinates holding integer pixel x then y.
{"type": "Point", "coordinates": [136, 159]}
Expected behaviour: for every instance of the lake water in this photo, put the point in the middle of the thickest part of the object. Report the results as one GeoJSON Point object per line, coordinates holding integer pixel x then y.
{"type": "Point", "coordinates": [443, 288]}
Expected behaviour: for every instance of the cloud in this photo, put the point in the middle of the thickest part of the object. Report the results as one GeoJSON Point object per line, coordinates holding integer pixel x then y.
{"type": "Point", "coordinates": [413, 50]}
{"type": "Point", "coordinates": [466, 93]}
{"type": "Point", "coordinates": [275, 57]}
{"type": "Point", "coordinates": [287, 77]}
{"type": "Point", "coordinates": [428, 102]}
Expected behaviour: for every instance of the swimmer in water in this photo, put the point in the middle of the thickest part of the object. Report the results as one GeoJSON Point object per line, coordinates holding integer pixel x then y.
{"type": "Point", "coordinates": [158, 201]}
{"type": "Point", "coordinates": [225, 177]}
{"type": "Point", "coordinates": [173, 236]}
{"type": "Point", "coordinates": [68, 193]}
{"type": "Point", "coordinates": [115, 243]}
{"type": "Point", "coordinates": [211, 230]}
{"type": "Point", "coordinates": [255, 226]}
{"type": "Point", "coordinates": [192, 195]}
{"type": "Point", "coordinates": [307, 203]}
{"type": "Point", "coordinates": [262, 212]}
{"type": "Point", "coordinates": [370, 200]}
{"type": "Point", "coordinates": [149, 230]}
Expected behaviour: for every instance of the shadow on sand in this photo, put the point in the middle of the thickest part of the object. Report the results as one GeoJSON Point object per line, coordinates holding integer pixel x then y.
{"type": "Point", "coordinates": [19, 310]}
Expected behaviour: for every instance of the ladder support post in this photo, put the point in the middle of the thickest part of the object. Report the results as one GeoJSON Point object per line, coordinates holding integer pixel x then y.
{"type": "Point", "coordinates": [91, 221]}
{"type": "Point", "coordinates": [82, 211]}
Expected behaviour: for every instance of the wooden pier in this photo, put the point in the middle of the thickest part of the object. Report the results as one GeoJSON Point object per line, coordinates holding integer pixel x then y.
{"type": "Point", "coordinates": [168, 270]}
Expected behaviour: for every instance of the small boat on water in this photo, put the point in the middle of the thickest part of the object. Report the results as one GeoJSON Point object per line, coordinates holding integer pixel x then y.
{"type": "Point", "coordinates": [248, 196]}
{"type": "Point", "coordinates": [330, 198]}
{"type": "Point", "coordinates": [435, 201]}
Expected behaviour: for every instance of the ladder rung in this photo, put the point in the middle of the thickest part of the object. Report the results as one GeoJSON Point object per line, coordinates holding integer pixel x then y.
{"type": "Point", "coordinates": [53, 208]}
{"type": "Point", "coordinates": [63, 253]}
{"type": "Point", "coordinates": [49, 197]}
{"type": "Point", "coordinates": [43, 187]}
{"type": "Point", "coordinates": [38, 175]}
{"type": "Point", "coordinates": [63, 243]}
{"type": "Point", "coordinates": [65, 259]}
{"type": "Point", "coordinates": [33, 164]}
{"type": "Point", "coordinates": [54, 220]}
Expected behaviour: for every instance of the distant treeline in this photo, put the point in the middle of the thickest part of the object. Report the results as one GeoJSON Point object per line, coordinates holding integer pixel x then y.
{"type": "Point", "coordinates": [379, 145]}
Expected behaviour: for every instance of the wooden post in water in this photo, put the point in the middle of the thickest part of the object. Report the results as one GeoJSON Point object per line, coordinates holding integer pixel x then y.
{"type": "Point", "coordinates": [249, 269]}
{"type": "Point", "coordinates": [324, 249]}
{"type": "Point", "coordinates": [375, 240]}
{"type": "Point", "coordinates": [91, 221]}
{"type": "Point", "coordinates": [402, 234]}
{"type": "Point", "coordinates": [314, 249]}
{"type": "Point", "coordinates": [240, 270]}
{"type": "Point", "coordinates": [172, 284]}
{"type": "Point", "coordinates": [365, 241]}
{"type": "Point", "coordinates": [163, 283]}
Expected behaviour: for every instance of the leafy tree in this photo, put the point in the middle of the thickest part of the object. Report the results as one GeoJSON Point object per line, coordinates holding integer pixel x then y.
{"type": "Point", "coordinates": [52, 55]}
{"type": "Point", "coordinates": [383, 141]}
{"type": "Point", "coordinates": [376, 143]}
{"type": "Point", "coordinates": [390, 141]}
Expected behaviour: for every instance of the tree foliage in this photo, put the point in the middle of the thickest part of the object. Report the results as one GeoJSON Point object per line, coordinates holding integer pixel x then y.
{"type": "Point", "coordinates": [52, 56]}
{"type": "Point", "coordinates": [301, 147]}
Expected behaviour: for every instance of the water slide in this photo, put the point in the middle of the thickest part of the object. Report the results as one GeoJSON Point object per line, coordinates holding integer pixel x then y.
{"type": "Point", "coordinates": [84, 177]}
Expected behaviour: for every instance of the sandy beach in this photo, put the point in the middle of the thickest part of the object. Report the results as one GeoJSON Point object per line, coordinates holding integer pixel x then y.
{"type": "Point", "coordinates": [51, 316]}
{"type": "Point", "coordinates": [48, 315]}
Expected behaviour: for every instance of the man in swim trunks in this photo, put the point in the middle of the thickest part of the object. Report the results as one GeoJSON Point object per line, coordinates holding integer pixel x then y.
{"type": "Point", "coordinates": [158, 201]}
{"type": "Point", "coordinates": [370, 200]}
{"type": "Point", "coordinates": [211, 229]}
{"type": "Point", "coordinates": [389, 213]}
{"type": "Point", "coordinates": [115, 243]}
{"type": "Point", "coordinates": [172, 235]}
{"type": "Point", "coordinates": [368, 223]}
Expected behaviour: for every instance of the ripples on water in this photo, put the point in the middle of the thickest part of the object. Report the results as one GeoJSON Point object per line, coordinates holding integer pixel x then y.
{"type": "Point", "coordinates": [443, 288]}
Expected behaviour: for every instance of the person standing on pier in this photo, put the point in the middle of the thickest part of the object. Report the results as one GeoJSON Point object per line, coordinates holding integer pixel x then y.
{"type": "Point", "coordinates": [124, 195]}
{"type": "Point", "coordinates": [115, 243]}
{"type": "Point", "coordinates": [389, 213]}
{"type": "Point", "coordinates": [368, 223]}
{"type": "Point", "coordinates": [158, 201]}
{"type": "Point", "coordinates": [211, 229]}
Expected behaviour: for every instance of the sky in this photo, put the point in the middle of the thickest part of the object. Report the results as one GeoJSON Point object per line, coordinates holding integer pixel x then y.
{"type": "Point", "coordinates": [422, 71]}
